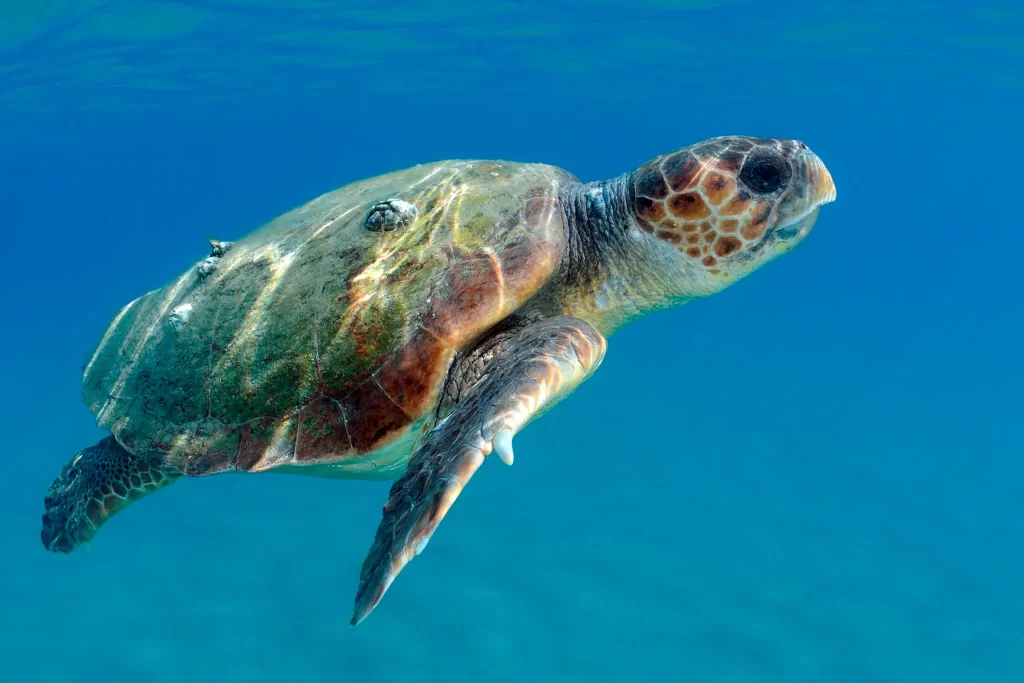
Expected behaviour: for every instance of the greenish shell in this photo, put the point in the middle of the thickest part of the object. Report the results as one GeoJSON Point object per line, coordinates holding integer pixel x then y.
{"type": "Point", "coordinates": [317, 341]}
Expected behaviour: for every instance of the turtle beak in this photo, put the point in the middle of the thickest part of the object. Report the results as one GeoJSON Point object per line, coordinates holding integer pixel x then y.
{"type": "Point", "coordinates": [824, 188]}
{"type": "Point", "coordinates": [790, 235]}
{"type": "Point", "coordinates": [819, 189]}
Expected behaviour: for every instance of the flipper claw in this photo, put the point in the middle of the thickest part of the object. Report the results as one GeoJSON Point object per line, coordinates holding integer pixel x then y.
{"type": "Point", "coordinates": [502, 443]}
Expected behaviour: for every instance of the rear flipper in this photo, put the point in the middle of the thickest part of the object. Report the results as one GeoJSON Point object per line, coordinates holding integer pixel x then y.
{"type": "Point", "coordinates": [95, 485]}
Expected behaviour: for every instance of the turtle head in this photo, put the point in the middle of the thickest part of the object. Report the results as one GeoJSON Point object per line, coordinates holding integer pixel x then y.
{"type": "Point", "coordinates": [731, 204]}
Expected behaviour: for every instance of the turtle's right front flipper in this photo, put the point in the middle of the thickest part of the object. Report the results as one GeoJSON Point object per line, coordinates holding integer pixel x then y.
{"type": "Point", "coordinates": [96, 484]}
{"type": "Point", "coordinates": [531, 371]}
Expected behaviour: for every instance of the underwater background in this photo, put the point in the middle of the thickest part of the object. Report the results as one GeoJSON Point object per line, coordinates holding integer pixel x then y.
{"type": "Point", "coordinates": [815, 475]}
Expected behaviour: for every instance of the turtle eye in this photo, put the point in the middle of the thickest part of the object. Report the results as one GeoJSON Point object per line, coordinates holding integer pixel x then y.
{"type": "Point", "coordinates": [763, 174]}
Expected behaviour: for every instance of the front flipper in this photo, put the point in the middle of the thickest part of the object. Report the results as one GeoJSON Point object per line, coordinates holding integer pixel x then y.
{"type": "Point", "coordinates": [535, 368]}
{"type": "Point", "coordinates": [92, 487]}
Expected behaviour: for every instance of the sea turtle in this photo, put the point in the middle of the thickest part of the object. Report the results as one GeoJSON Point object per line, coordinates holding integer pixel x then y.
{"type": "Point", "coordinates": [407, 326]}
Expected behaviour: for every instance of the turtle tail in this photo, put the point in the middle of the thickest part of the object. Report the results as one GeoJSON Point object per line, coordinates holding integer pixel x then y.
{"type": "Point", "coordinates": [92, 487]}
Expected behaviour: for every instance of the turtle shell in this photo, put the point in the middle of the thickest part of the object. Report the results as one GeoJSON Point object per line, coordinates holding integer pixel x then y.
{"type": "Point", "coordinates": [323, 339]}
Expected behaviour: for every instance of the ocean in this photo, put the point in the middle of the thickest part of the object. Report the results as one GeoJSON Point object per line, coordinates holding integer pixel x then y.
{"type": "Point", "coordinates": [811, 476]}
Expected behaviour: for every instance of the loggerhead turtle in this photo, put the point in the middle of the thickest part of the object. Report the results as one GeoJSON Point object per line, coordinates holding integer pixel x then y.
{"type": "Point", "coordinates": [407, 326]}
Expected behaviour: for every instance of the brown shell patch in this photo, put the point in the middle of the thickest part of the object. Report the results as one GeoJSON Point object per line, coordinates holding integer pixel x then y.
{"type": "Point", "coordinates": [211, 448]}
{"type": "Point", "coordinates": [464, 299]}
{"type": "Point", "coordinates": [757, 225]}
{"type": "Point", "coordinates": [542, 210]}
{"type": "Point", "coordinates": [693, 252]}
{"type": "Point", "coordinates": [373, 418]}
{"type": "Point", "coordinates": [322, 431]}
{"type": "Point", "coordinates": [680, 170]}
{"type": "Point", "coordinates": [479, 289]}
{"type": "Point", "coordinates": [717, 187]}
{"type": "Point", "coordinates": [727, 244]}
{"type": "Point", "coordinates": [709, 261]}
{"type": "Point", "coordinates": [412, 377]}
{"type": "Point", "coordinates": [730, 162]}
{"type": "Point", "coordinates": [673, 237]}
{"type": "Point", "coordinates": [526, 263]}
{"type": "Point", "coordinates": [689, 206]}
{"type": "Point", "coordinates": [738, 205]}
{"type": "Point", "coordinates": [752, 232]}
{"type": "Point", "coordinates": [649, 209]}
{"type": "Point", "coordinates": [728, 225]}
{"type": "Point", "coordinates": [256, 437]}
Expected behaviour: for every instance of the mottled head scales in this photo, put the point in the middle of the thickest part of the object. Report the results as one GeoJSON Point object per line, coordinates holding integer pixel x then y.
{"type": "Point", "coordinates": [731, 202]}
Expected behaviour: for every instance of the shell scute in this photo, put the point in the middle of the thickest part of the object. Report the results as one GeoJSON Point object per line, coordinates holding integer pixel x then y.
{"type": "Point", "coordinates": [375, 419]}
{"type": "Point", "coordinates": [409, 376]}
{"type": "Point", "coordinates": [465, 294]}
{"type": "Point", "coordinates": [260, 440]}
{"type": "Point", "coordinates": [322, 430]}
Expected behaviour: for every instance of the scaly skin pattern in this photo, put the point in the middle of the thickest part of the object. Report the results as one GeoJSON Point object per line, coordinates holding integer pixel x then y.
{"type": "Point", "coordinates": [317, 341]}
{"type": "Point", "coordinates": [92, 487]}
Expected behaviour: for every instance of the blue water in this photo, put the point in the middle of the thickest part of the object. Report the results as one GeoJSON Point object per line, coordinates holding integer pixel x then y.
{"type": "Point", "coordinates": [813, 476]}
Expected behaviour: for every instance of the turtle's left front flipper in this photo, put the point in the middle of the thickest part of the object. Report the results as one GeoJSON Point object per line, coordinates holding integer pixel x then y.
{"type": "Point", "coordinates": [532, 370]}
{"type": "Point", "coordinates": [95, 485]}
